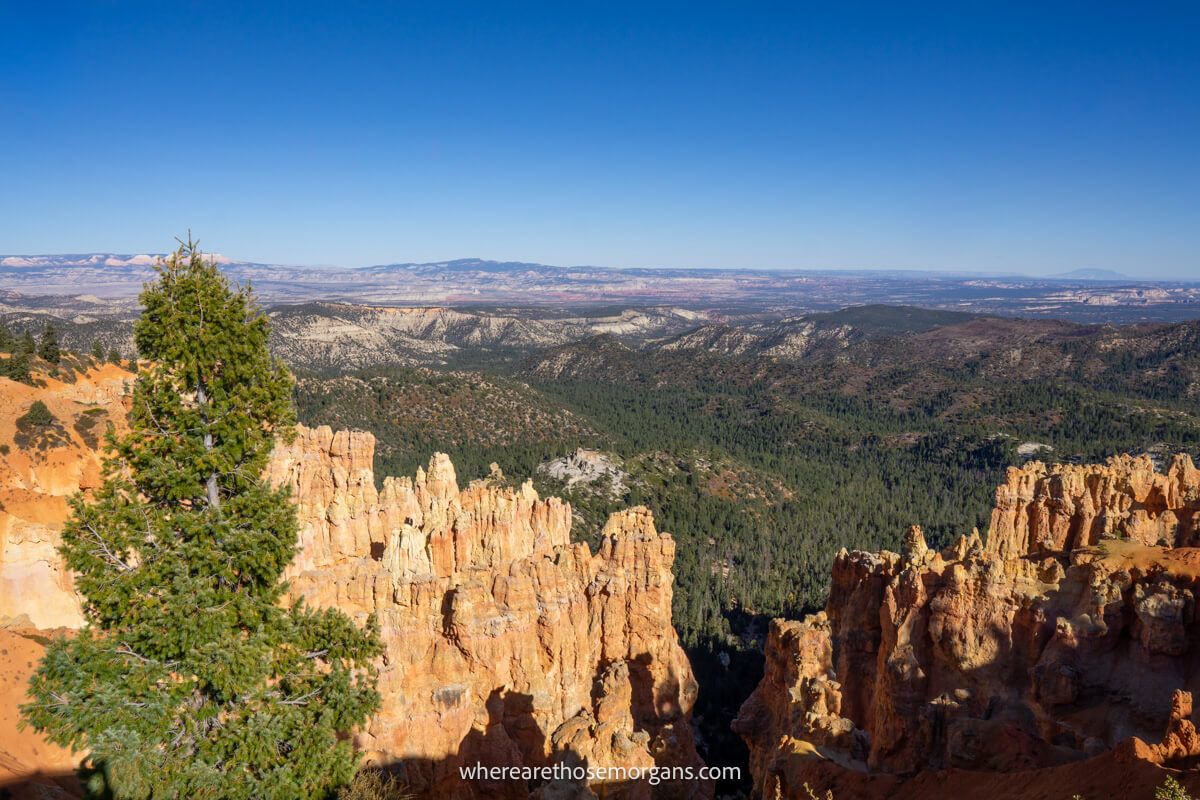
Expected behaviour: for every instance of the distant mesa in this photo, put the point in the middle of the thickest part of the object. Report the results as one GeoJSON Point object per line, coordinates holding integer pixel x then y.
{"type": "Point", "coordinates": [1089, 274]}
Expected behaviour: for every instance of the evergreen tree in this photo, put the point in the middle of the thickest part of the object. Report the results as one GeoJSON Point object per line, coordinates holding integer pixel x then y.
{"type": "Point", "coordinates": [97, 351]}
{"type": "Point", "coordinates": [114, 356]}
{"type": "Point", "coordinates": [6, 338]}
{"type": "Point", "coordinates": [192, 678]}
{"type": "Point", "coordinates": [48, 346]}
{"type": "Point", "coordinates": [38, 416]}
{"type": "Point", "coordinates": [16, 366]}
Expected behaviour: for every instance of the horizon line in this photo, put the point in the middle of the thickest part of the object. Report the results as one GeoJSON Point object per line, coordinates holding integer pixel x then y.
{"type": "Point", "coordinates": [1068, 275]}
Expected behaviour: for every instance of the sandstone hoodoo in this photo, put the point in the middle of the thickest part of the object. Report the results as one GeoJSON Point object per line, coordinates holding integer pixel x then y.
{"type": "Point", "coordinates": [506, 643]}
{"type": "Point", "coordinates": [1062, 637]}
{"type": "Point", "coordinates": [1041, 510]}
{"type": "Point", "coordinates": [1049, 657]}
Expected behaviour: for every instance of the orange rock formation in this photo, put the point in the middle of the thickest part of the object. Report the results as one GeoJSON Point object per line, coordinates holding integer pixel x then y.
{"type": "Point", "coordinates": [1042, 509]}
{"type": "Point", "coordinates": [1066, 634]}
{"type": "Point", "coordinates": [23, 755]}
{"type": "Point", "coordinates": [39, 471]}
{"type": "Point", "coordinates": [506, 643]}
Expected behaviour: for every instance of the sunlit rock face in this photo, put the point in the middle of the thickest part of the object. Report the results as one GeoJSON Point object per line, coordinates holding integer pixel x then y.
{"type": "Point", "coordinates": [506, 643]}
{"type": "Point", "coordinates": [1064, 634]}
{"type": "Point", "coordinates": [40, 469]}
{"type": "Point", "coordinates": [1042, 509]}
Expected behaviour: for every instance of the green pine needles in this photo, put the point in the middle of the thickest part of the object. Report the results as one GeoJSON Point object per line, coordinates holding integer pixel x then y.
{"type": "Point", "coordinates": [193, 677]}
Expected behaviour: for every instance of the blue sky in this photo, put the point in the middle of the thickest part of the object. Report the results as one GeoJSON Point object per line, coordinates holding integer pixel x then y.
{"type": "Point", "coordinates": [1004, 136]}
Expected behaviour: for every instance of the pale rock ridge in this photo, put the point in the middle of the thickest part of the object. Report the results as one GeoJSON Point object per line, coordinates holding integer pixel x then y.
{"type": "Point", "coordinates": [1061, 638]}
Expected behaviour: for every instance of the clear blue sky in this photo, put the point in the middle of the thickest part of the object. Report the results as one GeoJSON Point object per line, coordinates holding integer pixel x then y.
{"type": "Point", "coordinates": [1033, 137]}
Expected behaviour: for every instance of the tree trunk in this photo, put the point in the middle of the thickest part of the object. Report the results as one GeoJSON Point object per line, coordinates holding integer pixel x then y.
{"type": "Point", "coordinates": [210, 485]}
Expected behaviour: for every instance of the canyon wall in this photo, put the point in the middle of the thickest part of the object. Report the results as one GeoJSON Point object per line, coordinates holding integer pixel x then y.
{"type": "Point", "coordinates": [506, 644]}
{"type": "Point", "coordinates": [1060, 638]}
{"type": "Point", "coordinates": [41, 467]}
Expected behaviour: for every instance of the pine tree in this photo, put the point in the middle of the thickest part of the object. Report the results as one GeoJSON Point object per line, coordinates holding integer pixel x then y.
{"type": "Point", "coordinates": [16, 366]}
{"type": "Point", "coordinates": [114, 355]}
{"type": "Point", "coordinates": [193, 677]}
{"type": "Point", "coordinates": [6, 338]}
{"type": "Point", "coordinates": [48, 346]}
{"type": "Point", "coordinates": [97, 351]}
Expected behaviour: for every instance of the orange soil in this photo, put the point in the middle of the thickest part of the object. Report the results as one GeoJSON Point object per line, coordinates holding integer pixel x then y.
{"type": "Point", "coordinates": [23, 753]}
{"type": "Point", "coordinates": [1182, 562]}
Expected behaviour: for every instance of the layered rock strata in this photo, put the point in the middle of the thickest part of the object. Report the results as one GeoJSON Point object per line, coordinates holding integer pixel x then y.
{"type": "Point", "coordinates": [1041, 509]}
{"type": "Point", "coordinates": [1065, 634]}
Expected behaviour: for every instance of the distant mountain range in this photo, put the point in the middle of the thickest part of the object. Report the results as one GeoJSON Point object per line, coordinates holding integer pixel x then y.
{"type": "Point", "coordinates": [1086, 295]}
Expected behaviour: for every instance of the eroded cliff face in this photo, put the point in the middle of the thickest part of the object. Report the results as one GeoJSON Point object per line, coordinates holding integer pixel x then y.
{"type": "Point", "coordinates": [1057, 509]}
{"type": "Point", "coordinates": [506, 643]}
{"type": "Point", "coordinates": [41, 467]}
{"type": "Point", "coordinates": [1064, 635]}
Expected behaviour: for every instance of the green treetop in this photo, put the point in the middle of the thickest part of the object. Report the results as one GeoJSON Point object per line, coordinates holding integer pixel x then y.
{"type": "Point", "coordinates": [193, 677]}
{"type": "Point", "coordinates": [16, 366]}
{"type": "Point", "coordinates": [48, 345]}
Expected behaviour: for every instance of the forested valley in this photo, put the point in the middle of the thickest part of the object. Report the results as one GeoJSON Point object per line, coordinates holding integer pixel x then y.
{"type": "Point", "coordinates": [763, 468]}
